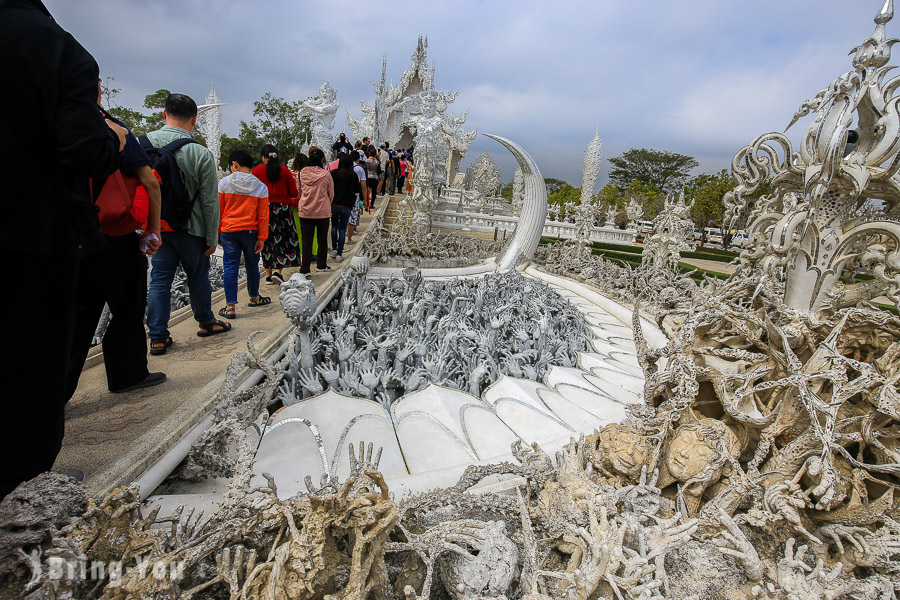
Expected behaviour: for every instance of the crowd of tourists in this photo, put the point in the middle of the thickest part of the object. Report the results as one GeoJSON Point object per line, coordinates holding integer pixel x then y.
{"type": "Point", "coordinates": [106, 200]}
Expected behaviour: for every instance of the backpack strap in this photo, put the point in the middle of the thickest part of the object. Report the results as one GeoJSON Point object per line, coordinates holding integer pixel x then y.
{"type": "Point", "coordinates": [179, 143]}
{"type": "Point", "coordinates": [145, 142]}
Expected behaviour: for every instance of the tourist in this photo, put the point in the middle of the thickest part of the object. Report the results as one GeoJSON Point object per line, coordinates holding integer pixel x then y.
{"type": "Point", "coordinates": [190, 247]}
{"type": "Point", "coordinates": [359, 167]}
{"type": "Point", "coordinates": [341, 145]}
{"type": "Point", "coordinates": [316, 193]}
{"type": "Point", "coordinates": [394, 172]}
{"type": "Point", "coordinates": [298, 163]}
{"type": "Point", "coordinates": [401, 180]}
{"type": "Point", "coordinates": [372, 167]}
{"type": "Point", "coordinates": [125, 340]}
{"type": "Point", "coordinates": [49, 108]}
{"type": "Point", "coordinates": [347, 191]}
{"type": "Point", "coordinates": [384, 158]}
{"type": "Point", "coordinates": [243, 229]}
{"type": "Point", "coordinates": [282, 247]}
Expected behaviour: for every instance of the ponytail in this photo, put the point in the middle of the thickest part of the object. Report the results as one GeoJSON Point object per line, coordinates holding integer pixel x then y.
{"type": "Point", "coordinates": [273, 167]}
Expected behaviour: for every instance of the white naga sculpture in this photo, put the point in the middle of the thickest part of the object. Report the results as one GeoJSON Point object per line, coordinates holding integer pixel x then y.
{"type": "Point", "coordinates": [321, 110]}
{"type": "Point", "coordinates": [807, 227]}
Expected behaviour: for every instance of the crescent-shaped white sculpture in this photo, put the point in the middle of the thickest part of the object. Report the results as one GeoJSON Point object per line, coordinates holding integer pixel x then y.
{"type": "Point", "coordinates": [534, 208]}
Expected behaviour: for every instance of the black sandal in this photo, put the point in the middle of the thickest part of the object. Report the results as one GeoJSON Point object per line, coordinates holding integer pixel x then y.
{"type": "Point", "coordinates": [156, 349]}
{"type": "Point", "coordinates": [259, 301]}
{"type": "Point", "coordinates": [209, 329]}
{"type": "Point", "coordinates": [227, 312]}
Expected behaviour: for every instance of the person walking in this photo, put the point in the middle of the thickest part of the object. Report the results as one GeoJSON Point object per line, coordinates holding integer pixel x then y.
{"type": "Point", "coordinates": [125, 340]}
{"type": "Point", "coordinates": [282, 247]}
{"type": "Point", "coordinates": [372, 166]}
{"type": "Point", "coordinates": [394, 172]}
{"type": "Point", "coordinates": [316, 193]}
{"type": "Point", "coordinates": [243, 228]}
{"type": "Point", "coordinates": [190, 247]}
{"type": "Point", "coordinates": [347, 191]}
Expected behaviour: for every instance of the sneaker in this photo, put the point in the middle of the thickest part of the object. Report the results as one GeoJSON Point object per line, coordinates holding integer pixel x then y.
{"type": "Point", "coordinates": [323, 269]}
{"type": "Point", "coordinates": [277, 278]}
{"type": "Point", "coordinates": [269, 279]}
{"type": "Point", "coordinates": [149, 381]}
{"type": "Point", "coordinates": [339, 258]}
{"type": "Point", "coordinates": [332, 252]}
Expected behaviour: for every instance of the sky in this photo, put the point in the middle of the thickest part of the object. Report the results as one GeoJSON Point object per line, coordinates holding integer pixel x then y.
{"type": "Point", "coordinates": [696, 77]}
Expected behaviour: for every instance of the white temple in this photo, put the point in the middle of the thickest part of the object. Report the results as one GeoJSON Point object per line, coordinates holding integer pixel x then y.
{"type": "Point", "coordinates": [396, 110]}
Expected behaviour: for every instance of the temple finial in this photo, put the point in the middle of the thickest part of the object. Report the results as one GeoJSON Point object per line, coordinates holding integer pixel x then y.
{"type": "Point", "coordinates": [886, 13]}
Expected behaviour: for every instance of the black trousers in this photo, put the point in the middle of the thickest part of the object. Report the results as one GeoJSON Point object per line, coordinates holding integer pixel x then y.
{"type": "Point", "coordinates": [118, 277]}
{"type": "Point", "coordinates": [308, 228]}
{"type": "Point", "coordinates": [37, 322]}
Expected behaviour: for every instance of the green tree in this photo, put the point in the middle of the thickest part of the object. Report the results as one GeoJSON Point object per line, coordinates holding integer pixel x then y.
{"type": "Point", "coordinates": [707, 191]}
{"type": "Point", "coordinates": [666, 171]}
{"type": "Point", "coordinates": [554, 185]}
{"type": "Point", "coordinates": [157, 101]}
{"type": "Point", "coordinates": [506, 192]}
{"type": "Point", "coordinates": [277, 123]}
{"type": "Point", "coordinates": [610, 194]}
{"type": "Point", "coordinates": [229, 145]}
{"type": "Point", "coordinates": [565, 194]}
{"type": "Point", "coordinates": [647, 196]}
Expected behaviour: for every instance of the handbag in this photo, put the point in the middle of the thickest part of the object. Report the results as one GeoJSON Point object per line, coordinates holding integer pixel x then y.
{"type": "Point", "coordinates": [123, 204]}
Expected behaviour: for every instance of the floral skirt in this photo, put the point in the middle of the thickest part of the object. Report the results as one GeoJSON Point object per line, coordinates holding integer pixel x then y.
{"type": "Point", "coordinates": [282, 249]}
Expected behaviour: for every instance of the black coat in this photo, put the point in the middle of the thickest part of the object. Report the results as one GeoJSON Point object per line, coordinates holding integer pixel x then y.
{"type": "Point", "coordinates": [346, 187]}
{"type": "Point", "coordinates": [52, 136]}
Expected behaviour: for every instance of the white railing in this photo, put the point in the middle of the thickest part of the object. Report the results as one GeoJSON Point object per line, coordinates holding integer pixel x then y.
{"type": "Point", "coordinates": [485, 223]}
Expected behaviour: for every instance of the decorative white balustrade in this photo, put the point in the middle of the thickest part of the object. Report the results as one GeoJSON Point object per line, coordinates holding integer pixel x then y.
{"type": "Point", "coordinates": [485, 223]}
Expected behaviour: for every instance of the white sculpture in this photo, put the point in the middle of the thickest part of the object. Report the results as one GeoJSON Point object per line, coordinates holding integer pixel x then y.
{"type": "Point", "coordinates": [671, 231]}
{"type": "Point", "coordinates": [634, 211]}
{"type": "Point", "coordinates": [321, 110]}
{"type": "Point", "coordinates": [593, 158]}
{"type": "Point", "coordinates": [807, 226]}
{"type": "Point", "coordinates": [485, 175]}
{"type": "Point", "coordinates": [518, 191]}
{"type": "Point", "coordinates": [209, 121]}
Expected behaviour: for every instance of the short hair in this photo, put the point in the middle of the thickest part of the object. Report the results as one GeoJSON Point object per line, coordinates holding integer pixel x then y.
{"type": "Point", "coordinates": [241, 157]}
{"type": "Point", "coordinates": [181, 106]}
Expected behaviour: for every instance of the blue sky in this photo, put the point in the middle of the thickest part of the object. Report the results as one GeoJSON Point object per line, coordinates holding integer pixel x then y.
{"type": "Point", "coordinates": [698, 77]}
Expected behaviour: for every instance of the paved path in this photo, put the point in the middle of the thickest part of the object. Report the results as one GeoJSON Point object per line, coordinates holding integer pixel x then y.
{"type": "Point", "coordinates": [710, 265]}
{"type": "Point", "coordinates": [113, 438]}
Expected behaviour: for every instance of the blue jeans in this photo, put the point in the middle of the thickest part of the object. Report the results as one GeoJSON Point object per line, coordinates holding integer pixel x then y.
{"type": "Point", "coordinates": [234, 244]}
{"type": "Point", "coordinates": [178, 247]}
{"type": "Point", "coordinates": [340, 216]}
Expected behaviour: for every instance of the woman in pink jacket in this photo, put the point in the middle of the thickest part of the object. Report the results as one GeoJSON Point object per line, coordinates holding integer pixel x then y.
{"type": "Point", "coordinates": [316, 194]}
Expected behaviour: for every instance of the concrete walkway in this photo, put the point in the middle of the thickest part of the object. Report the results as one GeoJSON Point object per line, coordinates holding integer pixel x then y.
{"type": "Point", "coordinates": [710, 265]}
{"type": "Point", "coordinates": [114, 438]}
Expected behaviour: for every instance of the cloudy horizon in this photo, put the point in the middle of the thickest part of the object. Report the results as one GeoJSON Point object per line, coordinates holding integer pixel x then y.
{"type": "Point", "coordinates": [699, 77]}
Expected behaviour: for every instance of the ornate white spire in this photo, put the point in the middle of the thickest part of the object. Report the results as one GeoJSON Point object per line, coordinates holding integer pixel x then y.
{"type": "Point", "coordinates": [592, 159]}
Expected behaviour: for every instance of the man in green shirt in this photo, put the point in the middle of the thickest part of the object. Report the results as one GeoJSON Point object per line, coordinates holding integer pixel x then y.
{"type": "Point", "coordinates": [191, 247]}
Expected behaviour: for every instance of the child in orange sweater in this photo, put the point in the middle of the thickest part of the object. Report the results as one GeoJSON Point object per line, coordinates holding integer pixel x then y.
{"type": "Point", "coordinates": [243, 227]}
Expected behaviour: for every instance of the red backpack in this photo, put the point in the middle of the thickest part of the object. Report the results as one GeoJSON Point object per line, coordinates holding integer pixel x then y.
{"type": "Point", "coordinates": [123, 203]}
